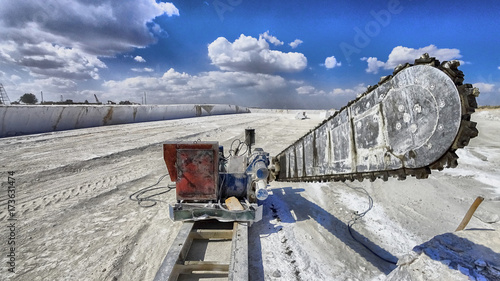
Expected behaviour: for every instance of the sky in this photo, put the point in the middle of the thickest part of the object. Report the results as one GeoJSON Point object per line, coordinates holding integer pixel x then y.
{"type": "Point", "coordinates": [316, 54]}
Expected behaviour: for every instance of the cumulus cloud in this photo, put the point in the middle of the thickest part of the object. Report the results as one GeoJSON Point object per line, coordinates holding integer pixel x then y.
{"type": "Point", "coordinates": [233, 87]}
{"type": "Point", "coordinates": [15, 78]}
{"type": "Point", "coordinates": [64, 39]}
{"type": "Point", "coordinates": [295, 43]}
{"type": "Point", "coordinates": [139, 59]}
{"type": "Point", "coordinates": [51, 60]}
{"type": "Point", "coordinates": [485, 87]}
{"type": "Point", "coordinates": [309, 91]}
{"type": "Point", "coordinates": [271, 39]}
{"type": "Point", "coordinates": [331, 62]}
{"type": "Point", "coordinates": [401, 55]}
{"type": "Point", "coordinates": [373, 64]}
{"type": "Point", "coordinates": [168, 8]}
{"type": "Point", "coordinates": [227, 87]}
{"type": "Point", "coordinates": [52, 88]}
{"type": "Point", "coordinates": [205, 87]}
{"type": "Point", "coordinates": [146, 69]}
{"type": "Point", "coordinates": [305, 90]}
{"type": "Point", "coordinates": [253, 55]}
{"type": "Point", "coordinates": [353, 92]}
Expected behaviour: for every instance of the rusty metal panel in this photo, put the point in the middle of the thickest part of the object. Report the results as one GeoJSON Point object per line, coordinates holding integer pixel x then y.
{"type": "Point", "coordinates": [195, 169]}
{"type": "Point", "coordinates": [170, 158]}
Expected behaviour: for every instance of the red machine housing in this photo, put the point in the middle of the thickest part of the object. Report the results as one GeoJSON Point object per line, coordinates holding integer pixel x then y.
{"type": "Point", "coordinates": [194, 169]}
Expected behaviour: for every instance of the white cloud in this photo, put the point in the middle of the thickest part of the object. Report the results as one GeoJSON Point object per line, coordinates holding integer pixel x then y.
{"type": "Point", "coordinates": [228, 87]}
{"type": "Point", "coordinates": [169, 9]}
{"type": "Point", "coordinates": [331, 62]}
{"type": "Point", "coordinates": [139, 59]}
{"type": "Point", "coordinates": [271, 39]}
{"type": "Point", "coordinates": [52, 88]}
{"type": "Point", "coordinates": [295, 43]}
{"type": "Point", "coordinates": [253, 55]}
{"type": "Point", "coordinates": [309, 91]}
{"type": "Point", "coordinates": [146, 69]}
{"type": "Point", "coordinates": [203, 87]}
{"type": "Point", "coordinates": [305, 90]}
{"type": "Point", "coordinates": [353, 92]}
{"type": "Point", "coordinates": [401, 55]}
{"type": "Point", "coordinates": [485, 87]}
{"type": "Point", "coordinates": [51, 60]}
{"type": "Point", "coordinates": [242, 88]}
{"type": "Point", "coordinates": [15, 78]}
{"type": "Point", "coordinates": [373, 64]}
{"type": "Point", "coordinates": [64, 39]}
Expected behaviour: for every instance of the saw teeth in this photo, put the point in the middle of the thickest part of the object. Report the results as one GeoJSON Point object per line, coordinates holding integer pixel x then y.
{"type": "Point", "coordinates": [383, 79]}
{"type": "Point", "coordinates": [400, 67]}
{"type": "Point", "coordinates": [426, 59]}
{"type": "Point", "coordinates": [466, 132]}
{"type": "Point", "coordinates": [371, 88]}
{"type": "Point", "coordinates": [451, 159]}
{"type": "Point", "coordinates": [450, 68]}
{"type": "Point", "coordinates": [469, 94]}
{"type": "Point", "coordinates": [422, 173]}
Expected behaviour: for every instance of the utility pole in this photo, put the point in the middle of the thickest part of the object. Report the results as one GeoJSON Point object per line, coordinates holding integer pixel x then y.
{"type": "Point", "coordinates": [41, 93]}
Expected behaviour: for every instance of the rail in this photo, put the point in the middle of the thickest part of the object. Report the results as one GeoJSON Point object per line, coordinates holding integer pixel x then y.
{"type": "Point", "coordinates": [207, 249]}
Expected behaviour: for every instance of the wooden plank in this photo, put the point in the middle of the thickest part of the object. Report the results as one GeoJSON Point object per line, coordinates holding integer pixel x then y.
{"type": "Point", "coordinates": [469, 213]}
{"type": "Point", "coordinates": [212, 234]}
{"type": "Point", "coordinates": [175, 263]}
{"type": "Point", "coordinates": [207, 267]}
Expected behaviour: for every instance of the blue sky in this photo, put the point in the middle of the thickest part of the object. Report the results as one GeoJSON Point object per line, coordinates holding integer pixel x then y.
{"type": "Point", "coordinates": [278, 54]}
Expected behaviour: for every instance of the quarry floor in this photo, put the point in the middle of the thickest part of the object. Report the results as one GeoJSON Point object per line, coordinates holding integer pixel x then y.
{"type": "Point", "coordinates": [75, 220]}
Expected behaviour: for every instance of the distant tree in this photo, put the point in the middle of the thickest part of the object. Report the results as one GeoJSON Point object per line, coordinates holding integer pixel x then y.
{"type": "Point", "coordinates": [28, 98]}
{"type": "Point", "coordinates": [125, 102]}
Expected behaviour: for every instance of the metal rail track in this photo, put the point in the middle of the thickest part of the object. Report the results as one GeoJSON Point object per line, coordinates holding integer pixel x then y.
{"type": "Point", "coordinates": [207, 250]}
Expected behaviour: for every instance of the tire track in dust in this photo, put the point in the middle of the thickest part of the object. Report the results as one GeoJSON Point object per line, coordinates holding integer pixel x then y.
{"type": "Point", "coordinates": [64, 197]}
{"type": "Point", "coordinates": [67, 198]}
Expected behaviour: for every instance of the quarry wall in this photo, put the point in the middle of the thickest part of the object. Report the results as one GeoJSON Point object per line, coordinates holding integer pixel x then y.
{"type": "Point", "coordinates": [32, 119]}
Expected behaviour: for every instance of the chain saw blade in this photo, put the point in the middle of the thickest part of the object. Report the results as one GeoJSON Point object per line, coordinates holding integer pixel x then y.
{"type": "Point", "coordinates": [411, 122]}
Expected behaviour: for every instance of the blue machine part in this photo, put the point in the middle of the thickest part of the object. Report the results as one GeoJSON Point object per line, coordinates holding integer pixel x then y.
{"type": "Point", "coordinates": [234, 185]}
{"type": "Point", "coordinates": [258, 164]}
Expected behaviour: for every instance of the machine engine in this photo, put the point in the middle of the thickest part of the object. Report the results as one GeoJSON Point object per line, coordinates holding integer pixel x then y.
{"type": "Point", "coordinates": [210, 185]}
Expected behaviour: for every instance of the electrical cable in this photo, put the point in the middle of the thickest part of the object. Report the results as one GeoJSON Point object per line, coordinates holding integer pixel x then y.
{"type": "Point", "coordinates": [231, 150]}
{"type": "Point", "coordinates": [358, 216]}
{"type": "Point", "coordinates": [246, 148]}
{"type": "Point", "coordinates": [138, 195]}
{"type": "Point", "coordinates": [239, 146]}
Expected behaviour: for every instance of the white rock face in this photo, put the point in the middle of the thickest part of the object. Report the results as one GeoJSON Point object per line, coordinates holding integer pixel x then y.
{"type": "Point", "coordinates": [463, 255]}
{"type": "Point", "coordinates": [31, 119]}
